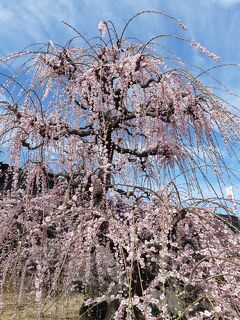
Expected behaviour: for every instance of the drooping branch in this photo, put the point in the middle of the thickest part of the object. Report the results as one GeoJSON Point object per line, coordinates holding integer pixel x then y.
{"type": "Point", "coordinates": [157, 150]}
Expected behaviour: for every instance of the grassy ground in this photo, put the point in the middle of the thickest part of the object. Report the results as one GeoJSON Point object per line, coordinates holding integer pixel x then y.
{"type": "Point", "coordinates": [27, 309]}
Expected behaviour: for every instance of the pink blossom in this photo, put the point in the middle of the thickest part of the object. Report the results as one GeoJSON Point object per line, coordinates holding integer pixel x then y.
{"type": "Point", "coordinates": [205, 51]}
{"type": "Point", "coordinates": [102, 27]}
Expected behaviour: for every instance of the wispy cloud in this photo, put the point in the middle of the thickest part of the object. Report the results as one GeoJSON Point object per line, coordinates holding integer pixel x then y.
{"type": "Point", "coordinates": [30, 21]}
{"type": "Point", "coordinates": [227, 3]}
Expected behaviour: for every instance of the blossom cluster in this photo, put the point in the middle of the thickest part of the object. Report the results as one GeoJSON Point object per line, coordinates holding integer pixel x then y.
{"type": "Point", "coordinates": [160, 253]}
{"type": "Point", "coordinates": [205, 51]}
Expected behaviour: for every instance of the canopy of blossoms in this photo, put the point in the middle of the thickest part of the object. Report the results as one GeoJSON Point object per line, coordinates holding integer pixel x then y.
{"type": "Point", "coordinates": [92, 137]}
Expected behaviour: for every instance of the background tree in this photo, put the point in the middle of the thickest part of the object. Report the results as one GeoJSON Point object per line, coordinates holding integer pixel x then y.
{"type": "Point", "coordinates": [94, 138]}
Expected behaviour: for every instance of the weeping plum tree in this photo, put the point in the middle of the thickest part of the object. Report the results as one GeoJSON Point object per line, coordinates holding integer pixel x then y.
{"type": "Point", "coordinates": [93, 138]}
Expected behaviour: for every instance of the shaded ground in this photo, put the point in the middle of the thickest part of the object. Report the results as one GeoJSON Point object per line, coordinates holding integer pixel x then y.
{"type": "Point", "coordinates": [27, 309]}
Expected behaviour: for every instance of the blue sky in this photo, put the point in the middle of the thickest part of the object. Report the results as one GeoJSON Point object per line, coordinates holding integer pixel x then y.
{"type": "Point", "coordinates": [213, 23]}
